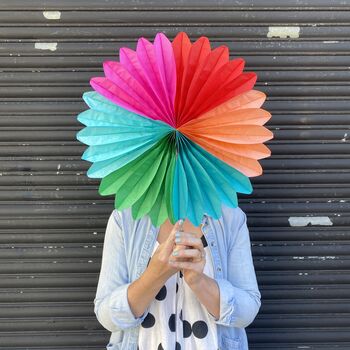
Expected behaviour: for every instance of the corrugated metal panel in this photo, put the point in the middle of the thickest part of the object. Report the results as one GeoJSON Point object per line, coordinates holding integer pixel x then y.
{"type": "Point", "coordinates": [52, 220]}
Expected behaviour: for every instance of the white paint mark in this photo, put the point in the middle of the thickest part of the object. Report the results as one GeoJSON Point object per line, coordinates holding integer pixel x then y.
{"type": "Point", "coordinates": [345, 137]}
{"type": "Point", "coordinates": [330, 42]}
{"type": "Point", "coordinates": [313, 220]}
{"type": "Point", "coordinates": [52, 14]}
{"type": "Point", "coordinates": [283, 32]}
{"type": "Point", "coordinates": [46, 46]}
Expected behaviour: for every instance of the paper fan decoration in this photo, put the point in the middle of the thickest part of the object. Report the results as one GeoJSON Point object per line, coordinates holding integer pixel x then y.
{"type": "Point", "coordinates": [174, 129]}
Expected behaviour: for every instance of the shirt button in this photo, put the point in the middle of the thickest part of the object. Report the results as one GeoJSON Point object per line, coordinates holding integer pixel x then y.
{"type": "Point", "coordinates": [212, 243]}
{"type": "Point", "coordinates": [219, 268]}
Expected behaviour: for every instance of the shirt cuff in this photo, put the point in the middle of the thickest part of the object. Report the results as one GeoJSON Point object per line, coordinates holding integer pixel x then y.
{"type": "Point", "coordinates": [227, 303]}
{"type": "Point", "coordinates": [121, 312]}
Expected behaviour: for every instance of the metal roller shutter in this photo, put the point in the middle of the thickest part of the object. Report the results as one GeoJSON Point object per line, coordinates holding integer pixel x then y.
{"type": "Point", "coordinates": [52, 219]}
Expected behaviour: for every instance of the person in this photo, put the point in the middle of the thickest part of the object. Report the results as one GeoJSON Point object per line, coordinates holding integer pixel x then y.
{"type": "Point", "coordinates": [202, 297]}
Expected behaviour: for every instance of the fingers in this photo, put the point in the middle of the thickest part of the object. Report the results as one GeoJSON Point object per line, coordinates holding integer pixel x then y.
{"type": "Point", "coordinates": [181, 222]}
{"type": "Point", "coordinates": [183, 264]}
{"type": "Point", "coordinates": [189, 253]}
{"type": "Point", "coordinates": [186, 238]}
{"type": "Point", "coordinates": [170, 241]}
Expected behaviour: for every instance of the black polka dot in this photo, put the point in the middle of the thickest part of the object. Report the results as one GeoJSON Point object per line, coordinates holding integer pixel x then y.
{"type": "Point", "coordinates": [162, 293]}
{"type": "Point", "coordinates": [187, 330]}
{"type": "Point", "coordinates": [204, 241]}
{"type": "Point", "coordinates": [160, 347]}
{"type": "Point", "coordinates": [172, 323]}
{"type": "Point", "coordinates": [177, 346]}
{"type": "Point", "coordinates": [177, 287]}
{"type": "Point", "coordinates": [181, 315]}
{"type": "Point", "coordinates": [181, 274]}
{"type": "Point", "coordinates": [149, 321]}
{"type": "Point", "coordinates": [200, 329]}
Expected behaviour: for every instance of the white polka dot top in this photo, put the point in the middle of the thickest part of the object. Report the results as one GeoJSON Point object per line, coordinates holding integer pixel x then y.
{"type": "Point", "coordinates": [176, 319]}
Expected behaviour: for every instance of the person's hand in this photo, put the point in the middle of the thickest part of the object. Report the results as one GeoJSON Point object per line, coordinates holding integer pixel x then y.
{"type": "Point", "coordinates": [159, 263]}
{"type": "Point", "coordinates": [189, 258]}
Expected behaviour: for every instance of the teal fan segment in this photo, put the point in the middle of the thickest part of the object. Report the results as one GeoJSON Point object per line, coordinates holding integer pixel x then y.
{"type": "Point", "coordinates": [202, 182]}
{"type": "Point", "coordinates": [115, 136]}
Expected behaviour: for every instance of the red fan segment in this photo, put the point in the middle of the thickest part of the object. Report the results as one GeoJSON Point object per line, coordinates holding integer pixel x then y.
{"type": "Point", "coordinates": [205, 78]}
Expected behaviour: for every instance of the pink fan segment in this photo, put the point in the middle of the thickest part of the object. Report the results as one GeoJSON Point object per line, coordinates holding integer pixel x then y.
{"type": "Point", "coordinates": [144, 81]}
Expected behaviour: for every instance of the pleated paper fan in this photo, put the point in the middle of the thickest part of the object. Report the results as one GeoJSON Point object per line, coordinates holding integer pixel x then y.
{"type": "Point", "coordinates": [174, 129]}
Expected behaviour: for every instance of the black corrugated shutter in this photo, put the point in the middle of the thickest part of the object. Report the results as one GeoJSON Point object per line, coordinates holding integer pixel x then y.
{"type": "Point", "coordinates": [53, 220]}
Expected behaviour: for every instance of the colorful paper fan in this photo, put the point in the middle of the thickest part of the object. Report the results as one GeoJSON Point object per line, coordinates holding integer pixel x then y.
{"type": "Point", "coordinates": [174, 129]}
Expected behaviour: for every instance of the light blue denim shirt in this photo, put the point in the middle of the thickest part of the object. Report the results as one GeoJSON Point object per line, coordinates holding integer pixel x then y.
{"type": "Point", "coordinates": [128, 245]}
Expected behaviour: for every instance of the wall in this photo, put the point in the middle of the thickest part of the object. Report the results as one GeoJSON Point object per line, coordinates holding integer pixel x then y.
{"type": "Point", "coordinates": [52, 219]}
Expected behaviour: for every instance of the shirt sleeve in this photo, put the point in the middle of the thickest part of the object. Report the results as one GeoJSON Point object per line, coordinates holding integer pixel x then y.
{"type": "Point", "coordinates": [240, 298]}
{"type": "Point", "coordinates": [111, 304]}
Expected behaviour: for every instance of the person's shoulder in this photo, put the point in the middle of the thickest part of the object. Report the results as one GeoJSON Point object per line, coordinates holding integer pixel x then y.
{"type": "Point", "coordinates": [122, 216]}
{"type": "Point", "coordinates": [125, 220]}
{"type": "Point", "coordinates": [233, 215]}
{"type": "Point", "coordinates": [236, 223]}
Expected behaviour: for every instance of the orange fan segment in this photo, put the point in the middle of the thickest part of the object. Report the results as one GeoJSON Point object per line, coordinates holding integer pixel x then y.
{"type": "Point", "coordinates": [248, 99]}
{"type": "Point", "coordinates": [220, 122]}
{"type": "Point", "coordinates": [243, 134]}
{"type": "Point", "coordinates": [243, 163]}
{"type": "Point", "coordinates": [234, 136]}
